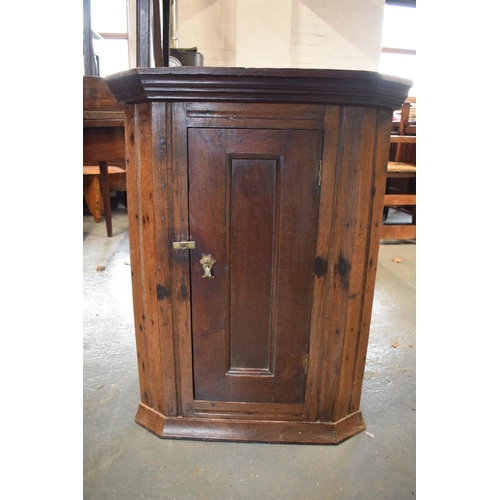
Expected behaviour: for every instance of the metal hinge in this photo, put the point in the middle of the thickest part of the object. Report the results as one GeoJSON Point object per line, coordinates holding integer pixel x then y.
{"type": "Point", "coordinates": [184, 245]}
{"type": "Point", "coordinates": [320, 172]}
{"type": "Point", "coordinates": [306, 365]}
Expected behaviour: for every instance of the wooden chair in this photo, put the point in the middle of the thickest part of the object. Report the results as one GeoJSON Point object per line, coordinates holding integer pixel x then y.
{"type": "Point", "coordinates": [92, 192]}
{"type": "Point", "coordinates": [103, 147]}
{"type": "Point", "coordinates": [401, 177]}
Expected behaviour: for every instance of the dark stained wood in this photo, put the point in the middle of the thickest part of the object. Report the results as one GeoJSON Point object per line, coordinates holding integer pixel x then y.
{"type": "Point", "coordinates": [252, 210]}
{"type": "Point", "coordinates": [268, 431]}
{"type": "Point", "coordinates": [103, 175]}
{"type": "Point", "coordinates": [161, 274]}
{"type": "Point", "coordinates": [379, 166]}
{"type": "Point", "coordinates": [97, 97]}
{"type": "Point", "coordinates": [221, 114]}
{"type": "Point", "coordinates": [231, 409]}
{"type": "Point", "coordinates": [180, 260]}
{"type": "Point", "coordinates": [147, 210]}
{"type": "Point", "coordinates": [288, 199]}
{"type": "Point", "coordinates": [251, 322]}
{"type": "Point", "coordinates": [136, 257]}
{"type": "Point", "coordinates": [103, 142]}
{"type": "Point", "coordinates": [251, 431]}
{"type": "Point", "coordinates": [306, 86]}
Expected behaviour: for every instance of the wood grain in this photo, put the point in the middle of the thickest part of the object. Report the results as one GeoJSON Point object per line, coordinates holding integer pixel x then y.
{"type": "Point", "coordinates": [287, 197]}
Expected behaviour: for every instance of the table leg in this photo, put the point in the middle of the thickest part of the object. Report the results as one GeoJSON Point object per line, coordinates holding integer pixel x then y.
{"type": "Point", "coordinates": [103, 175]}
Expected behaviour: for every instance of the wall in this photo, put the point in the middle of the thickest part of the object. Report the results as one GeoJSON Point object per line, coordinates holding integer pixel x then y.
{"type": "Point", "coordinates": [209, 25]}
{"type": "Point", "coordinates": [284, 33]}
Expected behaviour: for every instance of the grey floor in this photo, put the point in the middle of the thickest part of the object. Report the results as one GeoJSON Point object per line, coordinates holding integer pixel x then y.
{"type": "Point", "coordinates": [124, 461]}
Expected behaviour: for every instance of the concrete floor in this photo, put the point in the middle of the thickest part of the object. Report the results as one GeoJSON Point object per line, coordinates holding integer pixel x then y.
{"type": "Point", "coordinates": [124, 461]}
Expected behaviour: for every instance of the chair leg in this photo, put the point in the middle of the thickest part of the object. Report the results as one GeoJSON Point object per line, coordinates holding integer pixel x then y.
{"type": "Point", "coordinates": [92, 195]}
{"type": "Point", "coordinates": [103, 176]}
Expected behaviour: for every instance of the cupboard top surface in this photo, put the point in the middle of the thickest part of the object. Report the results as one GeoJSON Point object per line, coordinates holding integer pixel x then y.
{"type": "Point", "coordinates": [307, 86]}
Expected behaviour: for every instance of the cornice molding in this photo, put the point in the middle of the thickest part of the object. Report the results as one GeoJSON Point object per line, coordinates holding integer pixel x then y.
{"type": "Point", "coordinates": [304, 86]}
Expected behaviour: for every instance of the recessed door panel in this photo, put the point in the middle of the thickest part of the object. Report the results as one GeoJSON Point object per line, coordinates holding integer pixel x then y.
{"type": "Point", "coordinates": [253, 204]}
{"type": "Point", "coordinates": [252, 234]}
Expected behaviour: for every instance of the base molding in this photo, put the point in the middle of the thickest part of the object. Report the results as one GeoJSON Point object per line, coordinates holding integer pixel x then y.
{"type": "Point", "coordinates": [245, 430]}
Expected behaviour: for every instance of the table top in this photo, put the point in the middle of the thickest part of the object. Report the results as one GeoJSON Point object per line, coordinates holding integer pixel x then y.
{"type": "Point", "coordinates": [103, 119]}
{"type": "Point", "coordinates": [100, 108]}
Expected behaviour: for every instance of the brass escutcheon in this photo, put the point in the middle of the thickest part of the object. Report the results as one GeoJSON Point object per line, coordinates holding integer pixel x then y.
{"type": "Point", "coordinates": [207, 261]}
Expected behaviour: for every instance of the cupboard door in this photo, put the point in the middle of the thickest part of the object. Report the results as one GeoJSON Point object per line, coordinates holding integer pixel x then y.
{"type": "Point", "coordinates": [253, 212]}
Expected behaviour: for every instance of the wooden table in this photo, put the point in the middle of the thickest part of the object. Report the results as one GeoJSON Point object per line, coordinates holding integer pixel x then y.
{"type": "Point", "coordinates": [103, 134]}
{"type": "Point", "coordinates": [255, 211]}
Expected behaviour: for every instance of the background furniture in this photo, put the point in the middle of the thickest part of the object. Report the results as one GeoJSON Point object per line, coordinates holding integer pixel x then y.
{"type": "Point", "coordinates": [255, 207]}
{"type": "Point", "coordinates": [401, 175]}
{"type": "Point", "coordinates": [92, 194]}
{"type": "Point", "coordinates": [103, 137]}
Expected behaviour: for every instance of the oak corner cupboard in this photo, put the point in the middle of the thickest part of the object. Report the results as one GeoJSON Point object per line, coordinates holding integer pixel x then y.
{"type": "Point", "coordinates": [255, 200]}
